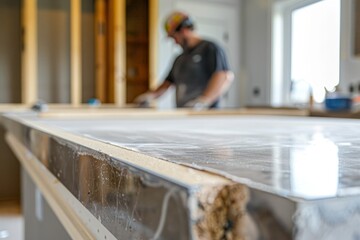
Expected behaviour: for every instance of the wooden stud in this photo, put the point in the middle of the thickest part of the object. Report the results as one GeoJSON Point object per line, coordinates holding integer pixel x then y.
{"type": "Point", "coordinates": [29, 54]}
{"type": "Point", "coordinates": [117, 51]}
{"type": "Point", "coordinates": [100, 50]}
{"type": "Point", "coordinates": [75, 52]}
{"type": "Point", "coordinates": [153, 42]}
{"type": "Point", "coordinates": [110, 87]}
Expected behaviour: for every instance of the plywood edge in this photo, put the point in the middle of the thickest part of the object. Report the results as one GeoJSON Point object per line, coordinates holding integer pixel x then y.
{"type": "Point", "coordinates": [65, 206]}
{"type": "Point", "coordinates": [98, 112]}
{"type": "Point", "coordinates": [170, 171]}
{"type": "Point", "coordinates": [110, 112]}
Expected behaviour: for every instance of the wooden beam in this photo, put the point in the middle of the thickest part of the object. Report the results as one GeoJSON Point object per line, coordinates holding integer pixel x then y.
{"type": "Point", "coordinates": [153, 42]}
{"type": "Point", "coordinates": [117, 38]}
{"type": "Point", "coordinates": [76, 52]}
{"type": "Point", "coordinates": [29, 54]}
{"type": "Point", "coordinates": [100, 50]}
{"type": "Point", "coordinates": [111, 42]}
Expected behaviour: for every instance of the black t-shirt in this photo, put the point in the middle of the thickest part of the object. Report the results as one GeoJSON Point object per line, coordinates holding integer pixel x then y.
{"type": "Point", "coordinates": [193, 69]}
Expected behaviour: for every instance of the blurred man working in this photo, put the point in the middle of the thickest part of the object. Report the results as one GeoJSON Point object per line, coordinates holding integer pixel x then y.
{"type": "Point", "coordinates": [200, 73]}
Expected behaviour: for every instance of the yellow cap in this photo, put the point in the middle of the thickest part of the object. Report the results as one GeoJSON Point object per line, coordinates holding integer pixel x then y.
{"type": "Point", "coordinates": [174, 21]}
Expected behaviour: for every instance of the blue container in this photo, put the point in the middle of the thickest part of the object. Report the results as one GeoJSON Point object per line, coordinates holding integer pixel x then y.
{"type": "Point", "coordinates": [94, 102]}
{"type": "Point", "coordinates": [338, 103]}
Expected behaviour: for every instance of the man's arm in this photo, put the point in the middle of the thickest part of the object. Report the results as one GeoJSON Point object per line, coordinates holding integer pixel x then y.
{"type": "Point", "coordinates": [218, 84]}
{"type": "Point", "coordinates": [147, 97]}
{"type": "Point", "coordinates": [160, 90]}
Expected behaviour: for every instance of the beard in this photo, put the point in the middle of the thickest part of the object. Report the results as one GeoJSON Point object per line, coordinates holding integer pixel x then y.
{"type": "Point", "coordinates": [184, 44]}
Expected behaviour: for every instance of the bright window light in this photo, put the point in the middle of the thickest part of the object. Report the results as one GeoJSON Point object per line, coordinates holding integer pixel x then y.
{"type": "Point", "coordinates": [315, 49]}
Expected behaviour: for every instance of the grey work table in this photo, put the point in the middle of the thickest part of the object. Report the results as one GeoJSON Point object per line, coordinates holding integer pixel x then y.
{"type": "Point", "coordinates": [302, 173]}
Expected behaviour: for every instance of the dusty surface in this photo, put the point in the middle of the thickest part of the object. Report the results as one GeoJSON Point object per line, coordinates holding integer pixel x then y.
{"type": "Point", "coordinates": [281, 155]}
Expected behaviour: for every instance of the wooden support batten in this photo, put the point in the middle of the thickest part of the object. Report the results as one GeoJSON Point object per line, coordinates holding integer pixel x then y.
{"type": "Point", "coordinates": [76, 52]}
{"type": "Point", "coordinates": [118, 51]}
{"type": "Point", "coordinates": [29, 53]}
{"type": "Point", "coordinates": [153, 42]}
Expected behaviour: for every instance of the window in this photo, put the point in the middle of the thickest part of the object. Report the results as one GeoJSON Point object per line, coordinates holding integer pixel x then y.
{"type": "Point", "coordinates": [308, 60]}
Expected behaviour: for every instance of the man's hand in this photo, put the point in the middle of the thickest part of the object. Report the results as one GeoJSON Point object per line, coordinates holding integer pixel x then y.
{"type": "Point", "coordinates": [145, 99]}
{"type": "Point", "coordinates": [198, 103]}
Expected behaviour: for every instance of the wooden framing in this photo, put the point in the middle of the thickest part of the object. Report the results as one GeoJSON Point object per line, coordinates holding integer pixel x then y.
{"type": "Point", "coordinates": [29, 54]}
{"type": "Point", "coordinates": [153, 42]}
{"type": "Point", "coordinates": [110, 52]}
{"type": "Point", "coordinates": [110, 28]}
{"type": "Point", "coordinates": [100, 49]}
{"type": "Point", "coordinates": [75, 52]}
{"type": "Point", "coordinates": [111, 17]}
{"type": "Point", "coordinates": [117, 51]}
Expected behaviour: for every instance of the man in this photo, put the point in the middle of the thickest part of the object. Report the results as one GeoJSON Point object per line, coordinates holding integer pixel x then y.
{"type": "Point", "coordinates": [200, 73]}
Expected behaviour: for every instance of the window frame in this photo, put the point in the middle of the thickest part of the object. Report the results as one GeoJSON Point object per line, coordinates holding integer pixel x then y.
{"type": "Point", "coordinates": [281, 80]}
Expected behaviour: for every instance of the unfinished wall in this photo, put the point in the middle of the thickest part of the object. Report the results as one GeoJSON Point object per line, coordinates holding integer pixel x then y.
{"type": "Point", "coordinates": [54, 24]}
{"type": "Point", "coordinates": [54, 51]}
{"type": "Point", "coordinates": [10, 52]}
